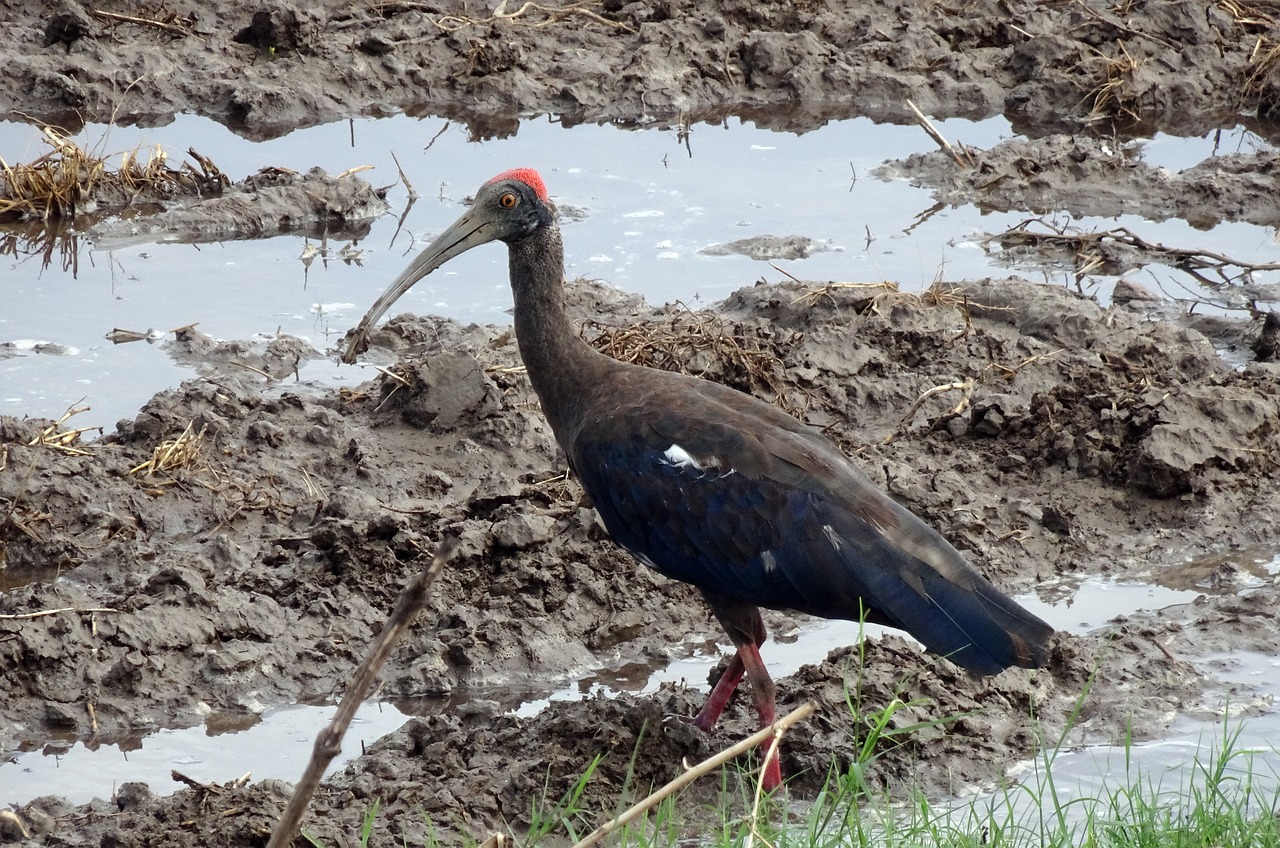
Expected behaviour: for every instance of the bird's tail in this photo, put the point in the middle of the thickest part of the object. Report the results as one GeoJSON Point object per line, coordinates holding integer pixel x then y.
{"type": "Point", "coordinates": [914, 580]}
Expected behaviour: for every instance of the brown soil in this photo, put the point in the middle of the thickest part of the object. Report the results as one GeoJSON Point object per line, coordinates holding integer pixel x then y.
{"type": "Point", "coordinates": [1094, 440]}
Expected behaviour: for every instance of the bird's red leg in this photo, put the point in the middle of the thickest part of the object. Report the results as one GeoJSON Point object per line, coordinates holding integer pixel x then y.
{"type": "Point", "coordinates": [706, 718]}
{"type": "Point", "coordinates": [763, 694]}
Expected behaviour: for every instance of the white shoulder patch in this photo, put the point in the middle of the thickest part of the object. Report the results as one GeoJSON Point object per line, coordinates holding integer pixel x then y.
{"type": "Point", "coordinates": [833, 537]}
{"type": "Point", "coordinates": [769, 561]}
{"type": "Point", "coordinates": [680, 458]}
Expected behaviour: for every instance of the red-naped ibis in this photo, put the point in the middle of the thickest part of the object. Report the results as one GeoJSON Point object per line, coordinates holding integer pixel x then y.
{"type": "Point", "coordinates": [711, 486]}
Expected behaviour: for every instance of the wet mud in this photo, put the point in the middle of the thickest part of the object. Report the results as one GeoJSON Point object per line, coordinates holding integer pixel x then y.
{"type": "Point", "coordinates": [1083, 175]}
{"type": "Point", "coordinates": [236, 544]}
{"type": "Point", "coordinates": [258, 571]}
{"type": "Point", "coordinates": [267, 68]}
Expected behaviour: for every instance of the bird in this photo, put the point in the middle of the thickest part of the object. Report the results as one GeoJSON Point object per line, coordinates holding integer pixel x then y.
{"type": "Point", "coordinates": [714, 487]}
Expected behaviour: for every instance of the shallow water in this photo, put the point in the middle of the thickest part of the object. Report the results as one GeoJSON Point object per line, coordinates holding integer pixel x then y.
{"type": "Point", "coordinates": [278, 743]}
{"type": "Point", "coordinates": [649, 208]}
{"type": "Point", "coordinates": [1167, 771]}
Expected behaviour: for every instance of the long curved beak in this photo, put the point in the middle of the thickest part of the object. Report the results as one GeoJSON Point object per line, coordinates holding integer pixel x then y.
{"type": "Point", "coordinates": [469, 231]}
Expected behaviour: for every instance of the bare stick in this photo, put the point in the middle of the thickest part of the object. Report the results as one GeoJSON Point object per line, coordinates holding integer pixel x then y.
{"type": "Point", "coordinates": [413, 195]}
{"type": "Point", "coordinates": [703, 768]}
{"type": "Point", "coordinates": [43, 613]}
{"type": "Point", "coordinates": [927, 125]}
{"type": "Point", "coordinates": [965, 386]}
{"type": "Point", "coordinates": [329, 741]}
{"type": "Point", "coordinates": [176, 29]}
{"type": "Point", "coordinates": [770, 755]}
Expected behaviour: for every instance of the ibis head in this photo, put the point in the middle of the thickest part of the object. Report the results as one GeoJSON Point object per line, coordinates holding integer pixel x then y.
{"type": "Point", "coordinates": [512, 206]}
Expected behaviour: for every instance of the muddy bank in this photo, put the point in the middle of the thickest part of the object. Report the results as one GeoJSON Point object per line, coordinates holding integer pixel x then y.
{"type": "Point", "coordinates": [256, 572]}
{"type": "Point", "coordinates": [264, 68]}
{"type": "Point", "coordinates": [1103, 177]}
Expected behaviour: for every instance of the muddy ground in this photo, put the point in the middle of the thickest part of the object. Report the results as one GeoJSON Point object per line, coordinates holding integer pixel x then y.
{"type": "Point", "coordinates": [265, 68]}
{"type": "Point", "coordinates": [1093, 439]}
{"type": "Point", "coordinates": [1102, 440]}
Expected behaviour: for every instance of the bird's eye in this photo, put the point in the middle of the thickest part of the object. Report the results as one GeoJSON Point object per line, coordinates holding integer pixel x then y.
{"type": "Point", "coordinates": [507, 201]}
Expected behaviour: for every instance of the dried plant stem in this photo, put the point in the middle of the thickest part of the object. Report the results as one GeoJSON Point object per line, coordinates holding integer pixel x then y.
{"type": "Point", "coordinates": [42, 613]}
{"type": "Point", "coordinates": [705, 767]}
{"type": "Point", "coordinates": [115, 17]}
{"type": "Point", "coordinates": [965, 386]}
{"type": "Point", "coordinates": [329, 741]}
{"type": "Point", "coordinates": [962, 157]}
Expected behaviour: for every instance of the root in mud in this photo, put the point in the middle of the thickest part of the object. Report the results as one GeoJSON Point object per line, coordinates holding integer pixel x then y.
{"type": "Point", "coordinates": [526, 12]}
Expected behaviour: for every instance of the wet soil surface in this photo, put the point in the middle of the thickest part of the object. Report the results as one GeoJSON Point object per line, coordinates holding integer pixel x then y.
{"type": "Point", "coordinates": [254, 571]}
{"type": "Point", "coordinates": [258, 571]}
{"type": "Point", "coordinates": [265, 68]}
{"type": "Point", "coordinates": [1091, 176]}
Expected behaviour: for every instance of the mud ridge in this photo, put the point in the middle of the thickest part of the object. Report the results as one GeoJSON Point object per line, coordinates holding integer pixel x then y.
{"type": "Point", "coordinates": [270, 67]}
{"type": "Point", "coordinates": [1090, 176]}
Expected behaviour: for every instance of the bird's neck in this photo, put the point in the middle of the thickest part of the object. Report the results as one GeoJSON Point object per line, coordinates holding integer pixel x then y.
{"type": "Point", "coordinates": [563, 368]}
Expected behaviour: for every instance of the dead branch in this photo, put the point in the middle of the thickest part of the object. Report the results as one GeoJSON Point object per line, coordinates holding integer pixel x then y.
{"type": "Point", "coordinates": [1089, 247]}
{"type": "Point", "coordinates": [329, 741]}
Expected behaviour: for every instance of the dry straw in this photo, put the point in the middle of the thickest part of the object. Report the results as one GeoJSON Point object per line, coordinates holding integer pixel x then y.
{"type": "Point", "coordinates": [69, 180]}
{"type": "Point", "coordinates": [173, 455]}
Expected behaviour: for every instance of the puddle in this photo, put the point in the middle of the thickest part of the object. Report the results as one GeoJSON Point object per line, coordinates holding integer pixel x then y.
{"type": "Point", "coordinates": [1086, 605]}
{"type": "Point", "coordinates": [648, 208]}
{"type": "Point", "coordinates": [278, 745]}
{"type": "Point", "coordinates": [1167, 768]}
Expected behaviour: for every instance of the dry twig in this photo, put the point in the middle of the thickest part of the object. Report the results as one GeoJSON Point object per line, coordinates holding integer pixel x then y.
{"type": "Point", "coordinates": [174, 454]}
{"type": "Point", "coordinates": [1109, 97]}
{"type": "Point", "coordinates": [962, 156]}
{"type": "Point", "coordinates": [691, 337]}
{"type": "Point", "coordinates": [329, 741]}
{"type": "Point", "coordinates": [174, 24]}
{"type": "Point", "coordinates": [42, 613]}
{"type": "Point", "coordinates": [55, 437]}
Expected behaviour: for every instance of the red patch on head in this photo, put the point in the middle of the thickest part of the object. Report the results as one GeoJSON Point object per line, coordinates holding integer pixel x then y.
{"type": "Point", "coordinates": [529, 177]}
